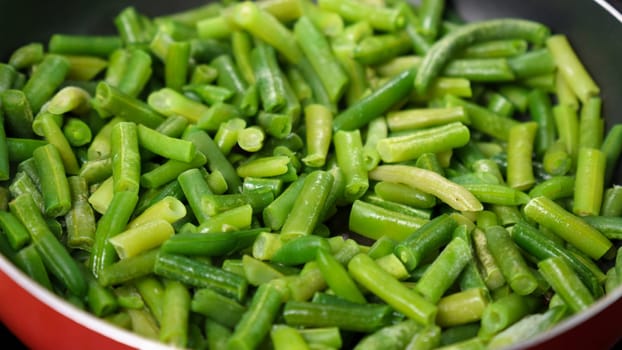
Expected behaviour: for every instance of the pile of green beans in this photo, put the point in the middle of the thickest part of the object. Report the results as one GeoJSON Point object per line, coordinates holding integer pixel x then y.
{"type": "Point", "coordinates": [289, 174]}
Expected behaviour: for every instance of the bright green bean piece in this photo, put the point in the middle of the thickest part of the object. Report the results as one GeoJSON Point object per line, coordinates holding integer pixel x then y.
{"type": "Point", "coordinates": [571, 68]}
{"type": "Point", "coordinates": [568, 226]}
{"type": "Point", "coordinates": [367, 273]}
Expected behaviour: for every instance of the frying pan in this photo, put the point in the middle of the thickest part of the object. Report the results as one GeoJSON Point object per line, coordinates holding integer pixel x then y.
{"type": "Point", "coordinates": [42, 320]}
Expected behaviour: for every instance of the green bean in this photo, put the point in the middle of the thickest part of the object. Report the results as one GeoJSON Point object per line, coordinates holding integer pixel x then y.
{"type": "Point", "coordinates": [318, 121]}
{"type": "Point", "coordinates": [147, 236]}
{"type": "Point", "coordinates": [409, 119]}
{"type": "Point", "coordinates": [176, 64]}
{"type": "Point", "coordinates": [251, 139]}
{"type": "Point", "coordinates": [367, 273]}
{"type": "Point", "coordinates": [266, 27]}
{"type": "Point", "coordinates": [462, 307]}
{"type": "Point", "coordinates": [200, 274]}
{"type": "Point", "coordinates": [553, 216]}
{"type": "Point", "coordinates": [612, 201]}
{"type": "Point", "coordinates": [435, 184]}
{"type": "Point", "coordinates": [430, 14]}
{"type": "Point", "coordinates": [394, 336]}
{"type": "Point", "coordinates": [166, 146]}
{"type": "Point", "coordinates": [520, 146]}
{"type": "Point", "coordinates": [216, 160]}
{"type": "Point", "coordinates": [136, 72]}
{"type": "Point", "coordinates": [175, 311]}
{"type": "Point", "coordinates": [170, 170]}
{"type": "Point", "coordinates": [306, 210]}
{"type": "Point", "coordinates": [54, 185]}
{"type": "Point", "coordinates": [377, 49]}
{"type": "Point", "coordinates": [17, 113]}
{"type": "Point", "coordinates": [483, 119]}
{"type": "Point", "coordinates": [45, 80]}
{"type": "Point", "coordinates": [589, 182]}
{"type": "Point", "coordinates": [80, 220]}
{"type": "Point", "coordinates": [433, 140]}
{"type": "Point", "coordinates": [257, 320]}
{"type": "Point", "coordinates": [30, 261]}
{"type": "Point", "coordinates": [349, 153]}
{"type": "Point", "coordinates": [54, 135]}
{"type": "Point", "coordinates": [426, 239]}
{"type": "Point", "coordinates": [376, 103]}
{"type": "Point", "coordinates": [542, 247]}
{"type": "Point", "coordinates": [345, 315]}
{"type": "Point", "coordinates": [22, 184]}
{"type": "Point", "coordinates": [511, 262]}
{"type": "Point", "coordinates": [470, 34]}
{"type": "Point", "coordinates": [554, 188]}
{"type": "Point", "coordinates": [591, 125]}
{"type": "Point", "coordinates": [316, 48]}
{"type": "Point", "coordinates": [404, 194]}
{"type": "Point", "coordinates": [15, 231]}
{"type": "Point", "coordinates": [480, 69]}
{"type": "Point", "coordinates": [451, 261]}
{"type": "Point", "coordinates": [128, 269]}
{"type": "Point", "coordinates": [122, 105]}
{"type": "Point", "coordinates": [571, 68]}
{"type": "Point", "coordinates": [27, 55]}
{"type": "Point", "coordinates": [566, 283]}
{"type": "Point", "coordinates": [54, 255]}
{"type": "Point", "coordinates": [113, 221]}
{"type": "Point", "coordinates": [612, 148]}
{"type": "Point", "coordinates": [381, 18]}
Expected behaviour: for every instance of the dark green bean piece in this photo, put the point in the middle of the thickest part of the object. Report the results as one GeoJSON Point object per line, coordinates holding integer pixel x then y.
{"type": "Point", "coordinates": [17, 113]}
{"type": "Point", "coordinates": [217, 307]}
{"type": "Point", "coordinates": [128, 269]}
{"type": "Point", "coordinates": [541, 111]}
{"type": "Point", "coordinates": [444, 270]}
{"type": "Point", "coordinates": [612, 147]}
{"type": "Point", "coordinates": [215, 158]}
{"type": "Point", "coordinates": [317, 49]}
{"type": "Point", "coordinates": [122, 105]}
{"type": "Point", "coordinates": [54, 255]}
{"type": "Point", "coordinates": [469, 34]}
{"type": "Point", "coordinates": [80, 220]}
{"type": "Point", "coordinates": [29, 260]}
{"type": "Point", "coordinates": [90, 45]}
{"type": "Point", "coordinates": [112, 222]}
{"type": "Point", "coordinates": [537, 244]}
{"type": "Point", "coordinates": [566, 283]}
{"type": "Point", "coordinates": [45, 80]}
{"type": "Point", "coordinates": [213, 244]}
{"type": "Point", "coordinates": [200, 274]}
{"type": "Point", "coordinates": [376, 103]}
{"type": "Point", "coordinates": [306, 209]}
{"type": "Point", "coordinates": [346, 316]}
{"type": "Point", "coordinates": [15, 232]}
{"type": "Point", "coordinates": [8, 75]}
{"type": "Point", "coordinates": [270, 84]}
{"type": "Point", "coordinates": [54, 185]}
{"type": "Point", "coordinates": [257, 320]}
{"type": "Point", "coordinates": [4, 151]}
